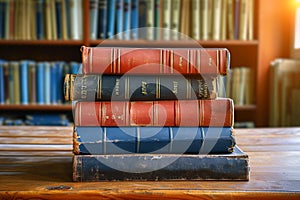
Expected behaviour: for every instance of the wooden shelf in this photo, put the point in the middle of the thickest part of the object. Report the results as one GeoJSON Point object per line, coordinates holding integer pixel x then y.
{"type": "Point", "coordinates": [41, 42]}
{"type": "Point", "coordinates": [36, 107]}
{"type": "Point", "coordinates": [245, 108]}
{"type": "Point", "coordinates": [173, 43]}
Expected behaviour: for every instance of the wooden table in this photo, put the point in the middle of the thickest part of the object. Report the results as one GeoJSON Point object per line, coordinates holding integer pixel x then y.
{"type": "Point", "coordinates": [35, 163]}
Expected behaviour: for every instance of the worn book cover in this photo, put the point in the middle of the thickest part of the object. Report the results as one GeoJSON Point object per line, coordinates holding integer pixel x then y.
{"type": "Point", "coordinates": [156, 167]}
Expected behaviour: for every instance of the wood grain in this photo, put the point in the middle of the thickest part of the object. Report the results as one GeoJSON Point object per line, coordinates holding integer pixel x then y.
{"type": "Point", "coordinates": [47, 174]}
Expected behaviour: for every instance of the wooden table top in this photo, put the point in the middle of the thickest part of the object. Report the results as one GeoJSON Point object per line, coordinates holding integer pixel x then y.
{"type": "Point", "coordinates": [35, 163]}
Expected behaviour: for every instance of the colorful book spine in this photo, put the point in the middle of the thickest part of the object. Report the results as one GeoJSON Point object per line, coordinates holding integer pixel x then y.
{"type": "Point", "coordinates": [165, 140]}
{"type": "Point", "coordinates": [107, 87]}
{"type": "Point", "coordinates": [154, 167]}
{"type": "Point", "coordinates": [134, 19]}
{"type": "Point", "coordinates": [24, 81]}
{"type": "Point", "coordinates": [218, 112]}
{"type": "Point", "coordinates": [119, 19]}
{"type": "Point", "coordinates": [109, 60]}
{"type": "Point", "coordinates": [47, 81]}
{"type": "Point", "coordinates": [2, 91]}
{"type": "Point", "coordinates": [40, 88]}
{"type": "Point", "coordinates": [93, 12]}
{"type": "Point", "coordinates": [102, 19]}
{"type": "Point", "coordinates": [127, 19]}
{"type": "Point", "coordinates": [111, 15]}
{"type": "Point", "coordinates": [40, 14]}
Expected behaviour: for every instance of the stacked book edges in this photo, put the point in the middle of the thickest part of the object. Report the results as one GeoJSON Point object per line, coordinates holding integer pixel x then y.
{"type": "Point", "coordinates": [154, 124]}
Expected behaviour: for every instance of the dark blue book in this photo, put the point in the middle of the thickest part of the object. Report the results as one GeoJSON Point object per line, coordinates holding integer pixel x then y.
{"type": "Point", "coordinates": [75, 68]}
{"type": "Point", "coordinates": [58, 13]}
{"type": "Point", "coordinates": [40, 18]}
{"type": "Point", "coordinates": [59, 81]}
{"type": "Point", "coordinates": [156, 167]}
{"type": "Point", "coordinates": [46, 120]}
{"type": "Point", "coordinates": [111, 16]}
{"type": "Point", "coordinates": [2, 19]}
{"type": "Point", "coordinates": [137, 87]}
{"type": "Point", "coordinates": [40, 83]}
{"type": "Point", "coordinates": [53, 83]}
{"type": "Point", "coordinates": [127, 19]}
{"type": "Point", "coordinates": [2, 92]}
{"type": "Point", "coordinates": [119, 19]}
{"type": "Point", "coordinates": [24, 82]}
{"type": "Point", "coordinates": [134, 19]}
{"type": "Point", "coordinates": [164, 140]}
{"type": "Point", "coordinates": [142, 18]}
{"type": "Point", "coordinates": [102, 19]}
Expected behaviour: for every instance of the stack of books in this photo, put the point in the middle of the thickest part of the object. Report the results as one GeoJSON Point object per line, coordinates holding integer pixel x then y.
{"type": "Point", "coordinates": [153, 114]}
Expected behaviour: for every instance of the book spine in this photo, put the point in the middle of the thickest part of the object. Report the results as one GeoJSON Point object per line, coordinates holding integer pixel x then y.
{"type": "Point", "coordinates": [32, 82]}
{"type": "Point", "coordinates": [24, 82]}
{"type": "Point", "coordinates": [127, 19]}
{"type": "Point", "coordinates": [119, 19]}
{"type": "Point", "coordinates": [105, 60]}
{"type": "Point", "coordinates": [6, 82]}
{"type": "Point", "coordinates": [218, 112]}
{"type": "Point", "coordinates": [134, 19]}
{"type": "Point", "coordinates": [102, 19]}
{"type": "Point", "coordinates": [168, 140]}
{"type": "Point", "coordinates": [161, 167]}
{"type": "Point", "coordinates": [111, 19]}
{"type": "Point", "coordinates": [47, 82]}
{"type": "Point", "coordinates": [40, 86]}
{"type": "Point", "coordinates": [93, 18]}
{"type": "Point", "coordinates": [2, 91]}
{"type": "Point", "coordinates": [16, 79]}
{"type": "Point", "coordinates": [40, 13]}
{"type": "Point", "coordinates": [106, 88]}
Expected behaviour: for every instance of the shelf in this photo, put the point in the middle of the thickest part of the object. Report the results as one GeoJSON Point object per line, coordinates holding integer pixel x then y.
{"type": "Point", "coordinates": [245, 108]}
{"type": "Point", "coordinates": [36, 107]}
{"type": "Point", "coordinates": [173, 43]}
{"type": "Point", "coordinates": [41, 42]}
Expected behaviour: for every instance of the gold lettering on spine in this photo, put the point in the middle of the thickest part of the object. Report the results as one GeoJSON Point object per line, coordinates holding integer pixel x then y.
{"type": "Point", "coordinates": [144, 87]}
{"type": "Point", "coordinates": [99, 93]}
{"type": "Point", "coordinates": [117, 87]}
{"type": "Point", "coordinates": [175, 87]}
{"type": "Point", "coordinates": [83, 91]}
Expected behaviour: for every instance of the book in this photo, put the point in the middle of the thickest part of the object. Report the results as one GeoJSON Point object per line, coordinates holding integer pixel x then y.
{"type": "Point", "coordinates": [111, 17]}
{"type": "Point", "coordinates": [175, 19]}
{"type": "Point", "coordinates": [156, 140]}
{"type": "Point", "coordinates": [119, 23]}
{"type": "Point", "coordinates": [95, 87]}
{"type": "Point", "coordinates": [46, 120]}
{"type": "Point", "coordinates": [127, 19]}
{"type": "Point", "coordinates": [121, 60]}
{"type": "Point", "coordinates": [157, 167]}
{"type": "Point", "coordinates": [284, 91]}
{"type": "Point", "coordinates": [134, 23]}
{"type": "Point", "coordinates": [217, 112]}
{"type": "Point", "coordinates": [93, 13]}
{"type": "Point", "coordinates": [102, 19]}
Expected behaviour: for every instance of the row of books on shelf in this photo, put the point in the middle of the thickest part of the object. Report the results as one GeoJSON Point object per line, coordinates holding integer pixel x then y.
{"type": "Point", "coordinates": [238, 85]}
{"type": "Point", "coordinates": [35, 120]}
{"type": "Point", "coordinates": [149, 122]}
{"type": "Point", "coordinates": [128, 19]}
{"type": "Point", "coordinates": [41, 19]}
{"type": "Point", "coordinates": [198, 19]}
{"type": "Point", "coordinates": [31, 82]}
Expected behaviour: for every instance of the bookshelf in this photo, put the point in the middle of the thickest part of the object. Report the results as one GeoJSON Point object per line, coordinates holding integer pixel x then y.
{"type": "Point", "coordinates": [271, 39]}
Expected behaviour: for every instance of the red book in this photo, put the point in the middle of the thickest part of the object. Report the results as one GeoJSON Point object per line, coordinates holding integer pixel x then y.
{"type": "Point", "coordinates": [218, 112]}
{"type": "Point", "coordinates": [186, 61]}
